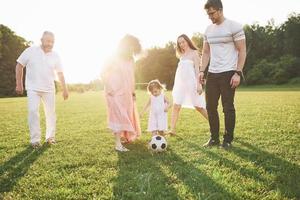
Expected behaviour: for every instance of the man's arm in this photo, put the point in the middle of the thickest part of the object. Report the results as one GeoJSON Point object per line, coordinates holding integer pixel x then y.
{"type": "Point", "coordinates": [19, 78]}
{"type": "Point", "coordinates": [204, 61]}
{"type": "Point", "coordinates": [63, 84]}
{"type": "Point", "coordinates": [240, 46]}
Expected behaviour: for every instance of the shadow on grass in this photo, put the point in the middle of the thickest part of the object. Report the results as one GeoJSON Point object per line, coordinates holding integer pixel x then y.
{"type": "Point", "coordinates": [16, 167]}
{"type": "Point", "coordinates": [286, 174]}
{"type": "Point", "coordinates": [141, 176]}
{"type": "Point", "coordinates": [201, 185]}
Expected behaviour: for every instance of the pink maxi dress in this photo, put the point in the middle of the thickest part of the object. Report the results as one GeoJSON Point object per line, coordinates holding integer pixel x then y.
{"type": "Point", "coordinates": [122, 111]}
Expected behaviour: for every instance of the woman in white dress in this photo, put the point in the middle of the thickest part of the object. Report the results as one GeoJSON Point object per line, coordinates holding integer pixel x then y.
{"type": "Point", "coordinates": [187, 90]}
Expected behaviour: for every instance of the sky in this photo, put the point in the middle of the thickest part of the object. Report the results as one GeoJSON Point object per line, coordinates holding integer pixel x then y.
{"type": "Point", "coordinates": [87, 31]}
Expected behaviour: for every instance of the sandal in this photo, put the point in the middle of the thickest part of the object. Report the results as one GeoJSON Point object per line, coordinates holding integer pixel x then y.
{"type": "Point", "coordinates": [121, 149]}
{"type": "Point", "coordinates": [36, 145]}
{"type": "Point", "coordinates": [172, 133]}
{"type": "Point", "coordinates": [51, 141]}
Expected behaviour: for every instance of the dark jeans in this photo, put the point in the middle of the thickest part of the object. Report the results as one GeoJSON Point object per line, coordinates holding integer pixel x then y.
{"type": "Point", "coordinates": [218, 84]}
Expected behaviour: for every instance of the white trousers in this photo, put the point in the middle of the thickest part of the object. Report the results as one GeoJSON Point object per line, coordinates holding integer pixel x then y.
{"type": "Point", "coordinates": [34, 99]}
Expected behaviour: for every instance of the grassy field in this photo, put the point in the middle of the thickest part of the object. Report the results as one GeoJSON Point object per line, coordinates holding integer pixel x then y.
{"type": "Point", "coordinates": [264, 162]}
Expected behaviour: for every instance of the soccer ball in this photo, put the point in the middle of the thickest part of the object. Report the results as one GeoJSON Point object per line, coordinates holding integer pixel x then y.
{"type": "Point", "coordinates": [158, 143]}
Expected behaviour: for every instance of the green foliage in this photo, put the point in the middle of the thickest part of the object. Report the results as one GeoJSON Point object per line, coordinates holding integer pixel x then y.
{"type": "Point", "coordinates": [276, 72]}
{"type": "Point", "coordinates": [159, 64]}
{"type": "Point", "coordinates": [11, 46]}
{"type": "Point", "coordinates": [273, 53]}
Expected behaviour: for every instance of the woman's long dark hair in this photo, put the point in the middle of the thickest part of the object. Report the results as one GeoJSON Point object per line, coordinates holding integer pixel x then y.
{"type": "Point", "coordinates": [179, 51]}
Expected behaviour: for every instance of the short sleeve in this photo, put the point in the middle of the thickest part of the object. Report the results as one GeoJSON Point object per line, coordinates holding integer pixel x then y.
{"type": "Point", "coordinates": [58, 65]}
{"type": "Point", "coordinates": [24, 57]}
{"type": "Point", "coordinates": [237, 31]}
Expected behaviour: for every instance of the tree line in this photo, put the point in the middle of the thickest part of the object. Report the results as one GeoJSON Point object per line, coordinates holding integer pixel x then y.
{"type": "Point", "coordinates": [273, 57]}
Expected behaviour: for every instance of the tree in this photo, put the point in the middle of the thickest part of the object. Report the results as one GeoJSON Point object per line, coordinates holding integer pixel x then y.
{"type": "Point", "coordinates": [11, 46]}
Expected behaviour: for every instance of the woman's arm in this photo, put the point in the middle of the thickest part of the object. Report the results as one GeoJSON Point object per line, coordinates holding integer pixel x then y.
{"type": "Point", "coordinates": [197, 61]}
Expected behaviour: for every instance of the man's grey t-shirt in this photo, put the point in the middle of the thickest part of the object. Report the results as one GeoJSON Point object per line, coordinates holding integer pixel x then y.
{"type": "Point", "coordinates": [223, 54]}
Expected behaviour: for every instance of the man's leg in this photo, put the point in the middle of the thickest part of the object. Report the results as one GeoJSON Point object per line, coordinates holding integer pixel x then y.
{"type": "Point", "coordinates": [212, 97]}
{"type": "Point", "coordinates": [34, 116]}
{"type": "Point", "coordinates": [227, 97]}
{"type": "Point", "coordinates": [48, 99]}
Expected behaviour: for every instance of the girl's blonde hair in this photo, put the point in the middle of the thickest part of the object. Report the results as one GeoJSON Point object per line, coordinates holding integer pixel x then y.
{"type": "Point", "coordinates": [155, 84]}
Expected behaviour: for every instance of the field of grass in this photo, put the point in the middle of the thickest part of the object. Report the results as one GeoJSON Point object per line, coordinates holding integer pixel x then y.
{"type": "Point", "coordinates": [264, 162]}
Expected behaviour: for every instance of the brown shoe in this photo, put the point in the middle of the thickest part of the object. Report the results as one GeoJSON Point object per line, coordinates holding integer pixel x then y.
{"type": "Point", "coordinates": [36, 145]}
{"type": "Point", "coordinates": [51, 141]}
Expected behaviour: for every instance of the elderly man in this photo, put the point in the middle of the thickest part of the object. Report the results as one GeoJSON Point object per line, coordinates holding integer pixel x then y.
{"type": "Point", "coordinates": [41, 65]}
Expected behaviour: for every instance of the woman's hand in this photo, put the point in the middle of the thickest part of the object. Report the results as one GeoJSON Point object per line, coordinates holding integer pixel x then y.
{"type": "Point", "coordinates": [166, 108]}
{"type": "Point", "coordinates": [199, 89]}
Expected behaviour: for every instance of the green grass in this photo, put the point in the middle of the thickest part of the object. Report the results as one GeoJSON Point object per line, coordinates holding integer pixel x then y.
{"type": "Point", "coordinates": [263, 164]}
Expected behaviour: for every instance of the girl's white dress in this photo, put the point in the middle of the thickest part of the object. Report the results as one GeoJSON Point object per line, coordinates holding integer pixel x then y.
{"type": "Point", "coordinates": [158, 118]}
{"type": "Point", "coordinates": [185, 86]}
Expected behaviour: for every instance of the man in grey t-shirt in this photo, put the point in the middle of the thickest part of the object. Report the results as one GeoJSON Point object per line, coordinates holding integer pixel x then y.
{"type": "Point", "coordinates": [224, 47]}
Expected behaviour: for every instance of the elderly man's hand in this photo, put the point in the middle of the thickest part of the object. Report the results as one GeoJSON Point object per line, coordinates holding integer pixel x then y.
{"type": "Point", "coordinates": [65, 94]}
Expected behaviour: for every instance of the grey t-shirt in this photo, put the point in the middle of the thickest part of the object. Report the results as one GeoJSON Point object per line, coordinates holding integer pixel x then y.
{"type": "Point", "coordinates": [223, 54]}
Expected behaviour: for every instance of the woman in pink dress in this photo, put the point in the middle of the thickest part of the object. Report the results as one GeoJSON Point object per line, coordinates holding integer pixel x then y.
{"type": "Point", "coordinates": [119, 83]}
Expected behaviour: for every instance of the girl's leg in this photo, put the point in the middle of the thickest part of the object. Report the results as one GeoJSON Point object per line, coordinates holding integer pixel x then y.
{"type": "Point", "coordinates": [174, 118]}
{"type": "Point", "coordinates": [203, 111]}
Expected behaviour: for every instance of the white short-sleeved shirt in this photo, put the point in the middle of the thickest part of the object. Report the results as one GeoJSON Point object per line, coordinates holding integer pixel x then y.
{"type": "Point", "coordinates": [40, 68]}
{"type": "Point", "coordinates": [223, 54]}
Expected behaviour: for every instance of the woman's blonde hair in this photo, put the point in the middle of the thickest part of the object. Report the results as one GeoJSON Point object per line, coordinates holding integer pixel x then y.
{"type": "Point", "coordinates": [155, 84]}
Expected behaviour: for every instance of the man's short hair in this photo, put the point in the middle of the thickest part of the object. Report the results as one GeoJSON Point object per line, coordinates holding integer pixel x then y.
{"type": "Point", "coordinates": [216, 4]}
{"type": "Point", "coordinates": [48, 33]}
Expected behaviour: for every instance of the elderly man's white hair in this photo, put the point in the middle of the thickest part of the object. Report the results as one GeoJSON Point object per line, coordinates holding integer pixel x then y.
{"type": "Point", "coordinates": [48, 33]}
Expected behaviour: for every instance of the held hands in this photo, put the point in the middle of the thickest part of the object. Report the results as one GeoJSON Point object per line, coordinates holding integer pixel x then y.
{"type": "Point", "coordinates": [201, 78]}
{"type": "Point", "coordinates": [199, 89]}
{"type": "Point", "coordinates": [235, 81]}
{"type": "Point", "coordinates": [19, 89]}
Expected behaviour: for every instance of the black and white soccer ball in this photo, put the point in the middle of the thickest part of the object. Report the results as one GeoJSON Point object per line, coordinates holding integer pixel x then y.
{"type": "Point", "coordinates": [158, 143]}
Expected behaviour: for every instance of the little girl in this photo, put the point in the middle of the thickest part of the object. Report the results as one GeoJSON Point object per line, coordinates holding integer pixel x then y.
{"type": "Point", "coordinates": [159, 105]}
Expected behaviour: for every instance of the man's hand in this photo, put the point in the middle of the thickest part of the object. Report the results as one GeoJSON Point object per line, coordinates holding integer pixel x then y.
{"type": "Point", "coordinates": [65, 94]}
{"type": "Point", "coordinates": [235, 81]}
{"type": "Point", "coordinates": [201, 78]}
{"type": "Point", "coordinates": [19, 89]}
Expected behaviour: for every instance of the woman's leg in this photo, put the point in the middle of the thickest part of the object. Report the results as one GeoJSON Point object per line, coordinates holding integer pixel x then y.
{"type": "Point", "coordinates": [118, 144]}
{"type": "Point", "coordinates": [203, 111]}
{"type": "Point", "coordinates": [174, 118]}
